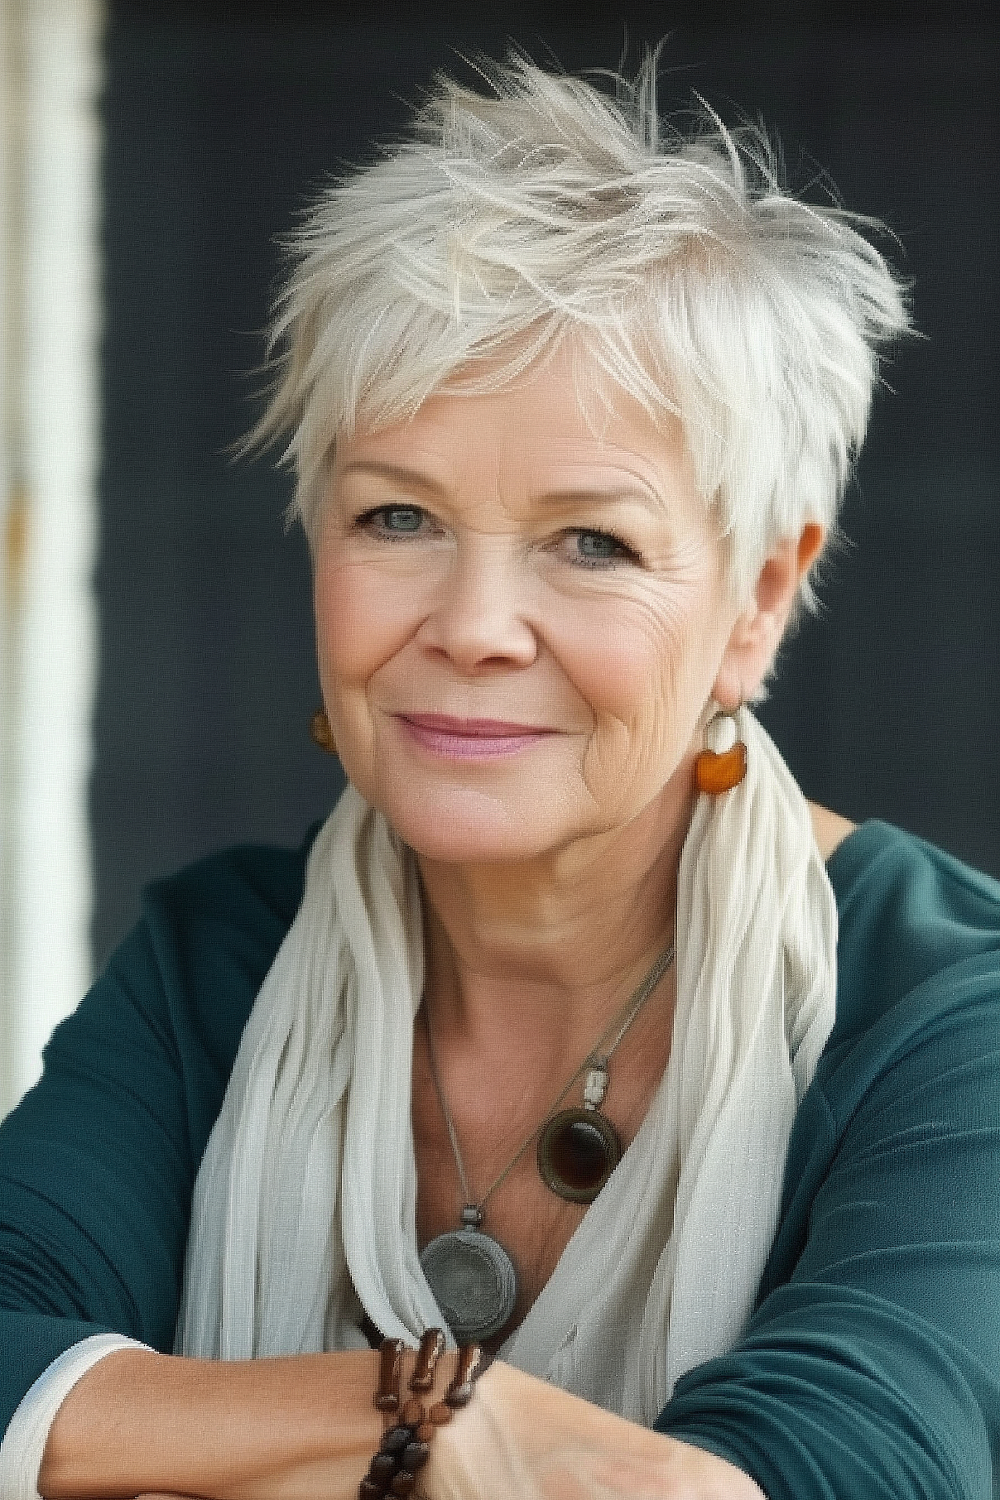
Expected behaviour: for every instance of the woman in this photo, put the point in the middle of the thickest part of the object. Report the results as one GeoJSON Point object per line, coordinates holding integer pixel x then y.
{"type": "Point", "coordinates": [549, 1035]}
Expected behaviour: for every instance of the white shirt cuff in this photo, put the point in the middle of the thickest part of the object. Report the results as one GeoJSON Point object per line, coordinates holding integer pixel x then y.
{"type": "Point", "coordinates": [23, 1445]}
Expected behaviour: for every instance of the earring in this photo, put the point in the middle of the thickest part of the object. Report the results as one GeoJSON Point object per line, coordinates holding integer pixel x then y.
{"type": "Point", "coordinates": [717, 771]}
{"type": "Point", "coordinates": [321, 733]}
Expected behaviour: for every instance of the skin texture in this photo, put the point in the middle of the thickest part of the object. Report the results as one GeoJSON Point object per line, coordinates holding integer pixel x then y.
{"type": "Point", "coordinates": [496, 559]}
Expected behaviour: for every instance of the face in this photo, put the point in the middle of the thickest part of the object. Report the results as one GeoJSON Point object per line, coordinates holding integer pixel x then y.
{"type": "Point", "coordinates": [520, 620]}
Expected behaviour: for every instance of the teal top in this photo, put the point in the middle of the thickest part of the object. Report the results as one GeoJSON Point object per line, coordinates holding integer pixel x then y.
{"type": "Point", "coordinates": [871, 1365]}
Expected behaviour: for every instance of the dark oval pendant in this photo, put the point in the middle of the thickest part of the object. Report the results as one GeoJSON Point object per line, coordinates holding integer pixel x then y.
{"type": "Point", "coordinates": [473, 1281]}
{"type": "Point", "coordinates": [577, 1152]}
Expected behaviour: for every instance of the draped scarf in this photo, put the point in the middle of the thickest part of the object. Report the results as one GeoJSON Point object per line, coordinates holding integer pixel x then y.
{"type": "Point", "coordinates": [304, 1209]}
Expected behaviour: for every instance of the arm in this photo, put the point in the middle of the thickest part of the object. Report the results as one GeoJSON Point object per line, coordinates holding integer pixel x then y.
{"type": "Point", "coordinates": [306, 1429]}
{"type": "Point", "coordinates": [872, 1364]}
{"type": "Point", "coordinates": [301, 1428]}
{"type": "Point", "coordinates": [24, 1441]}
{"type": "Point", "coordinates": [94, 1185]}
{"type": "Point", "coordinates": [98, 1161]}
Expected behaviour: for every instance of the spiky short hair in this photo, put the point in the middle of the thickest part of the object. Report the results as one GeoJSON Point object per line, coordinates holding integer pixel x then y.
{"type": "Point", "coordinates": [549, 207]}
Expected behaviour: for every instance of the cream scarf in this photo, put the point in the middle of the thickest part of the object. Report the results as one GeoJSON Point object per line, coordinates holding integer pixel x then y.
{"type": "Point", "coordinates": [304, 1206]}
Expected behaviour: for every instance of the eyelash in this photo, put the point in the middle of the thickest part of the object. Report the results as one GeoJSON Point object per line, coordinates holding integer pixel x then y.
{"type": "Point", "coordinates": [373, 521]}
{"type": "Point", "coordinates": [369, 521]}
{"type": "Point", "coordinates": [625, 551]}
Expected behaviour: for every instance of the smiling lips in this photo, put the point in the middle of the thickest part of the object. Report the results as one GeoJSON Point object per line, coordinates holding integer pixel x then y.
{"type": "Point", "coordinates": [470, 739]}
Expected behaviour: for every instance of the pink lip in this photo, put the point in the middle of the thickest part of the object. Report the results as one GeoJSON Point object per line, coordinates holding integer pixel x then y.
{"type": "Point", "coordinates": [470, 739]}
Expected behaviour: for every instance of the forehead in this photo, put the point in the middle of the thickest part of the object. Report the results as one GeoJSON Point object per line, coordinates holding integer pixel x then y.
{"type": "Point", "coordinates": [557, 429]}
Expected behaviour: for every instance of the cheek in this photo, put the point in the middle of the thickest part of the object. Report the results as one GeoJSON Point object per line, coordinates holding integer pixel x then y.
{"type": "Point", "coordinates": [645, 666]}
{"type": "Point", "coordinates": [361, 621]}
{"type": "Point", "coordinates": [633, 658]}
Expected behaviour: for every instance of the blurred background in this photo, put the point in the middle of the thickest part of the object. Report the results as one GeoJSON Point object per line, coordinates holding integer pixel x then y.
{"type": "Point", "coordinates": [156, 670]}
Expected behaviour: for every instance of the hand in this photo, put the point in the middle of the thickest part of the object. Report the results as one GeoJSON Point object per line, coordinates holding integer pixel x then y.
{"type": "Point", "coordinates": [521, 1436]}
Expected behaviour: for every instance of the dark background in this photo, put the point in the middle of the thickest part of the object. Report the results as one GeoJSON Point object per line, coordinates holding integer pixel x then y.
{"type": "Point", "coordinates": [220, 125]}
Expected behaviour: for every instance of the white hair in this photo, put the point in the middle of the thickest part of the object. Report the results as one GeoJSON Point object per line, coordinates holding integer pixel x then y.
{"type": "Point", "coordinates": [549, 207]}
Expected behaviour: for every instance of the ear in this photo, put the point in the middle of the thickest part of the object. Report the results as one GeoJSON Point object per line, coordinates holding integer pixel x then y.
{"type": "Point", "coordinates": [760, 626]}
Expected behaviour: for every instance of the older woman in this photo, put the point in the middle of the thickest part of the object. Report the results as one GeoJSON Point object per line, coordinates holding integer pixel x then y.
{"type": "Point", "coordinates": [548, 1037]}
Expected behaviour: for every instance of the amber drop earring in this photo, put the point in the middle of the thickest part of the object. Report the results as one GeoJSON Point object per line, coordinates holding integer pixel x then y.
{"type": "Point", "coordinates": [718, 771]}
{"type": "Point", "coordinates": [321, 733]}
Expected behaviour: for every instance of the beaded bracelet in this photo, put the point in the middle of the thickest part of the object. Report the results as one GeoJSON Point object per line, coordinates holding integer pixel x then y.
{"type": "Point", "coordinates": [405, 1446]}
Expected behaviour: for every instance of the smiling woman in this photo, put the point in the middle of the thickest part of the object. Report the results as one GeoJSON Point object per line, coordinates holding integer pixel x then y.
{"type": "Point", "coordinates": [561, 585]}
{"type": "Point", "coordinates": [575, 1031]}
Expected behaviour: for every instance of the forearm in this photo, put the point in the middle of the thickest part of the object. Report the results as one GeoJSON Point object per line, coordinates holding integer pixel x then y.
{"type": "Point", "coordinates": [523, 1437]}
{"type": "Point", "coordinates": [305, 1429]}
{"type": "Point", "coordinates": [300, 1429]}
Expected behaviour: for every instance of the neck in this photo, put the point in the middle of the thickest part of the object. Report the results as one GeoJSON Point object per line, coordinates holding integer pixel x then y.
{"type": "Point", "coordinates": [549, 949]}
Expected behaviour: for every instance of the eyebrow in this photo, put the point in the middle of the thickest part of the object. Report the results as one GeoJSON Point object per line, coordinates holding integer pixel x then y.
{"type": "Point", "coordinates": [398, 473]}
{"type": "Point", "coordinates": [413, 479]}
{"type": "Point", "coordinates": [576, 495]}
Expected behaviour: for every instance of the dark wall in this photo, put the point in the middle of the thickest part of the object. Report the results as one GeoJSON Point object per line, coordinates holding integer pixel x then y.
{"type": "Point", "coordinates": [220, 123]}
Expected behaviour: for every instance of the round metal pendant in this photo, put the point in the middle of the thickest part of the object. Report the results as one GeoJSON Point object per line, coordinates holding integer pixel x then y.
{"type": "Point", "coordinates": [474, 1281]}
{"type": "Point", "coordinates": [577, 1152]}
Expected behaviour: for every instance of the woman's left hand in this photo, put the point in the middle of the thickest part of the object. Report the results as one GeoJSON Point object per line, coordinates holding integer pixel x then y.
{"type": "Point", "coordinates": [521, 1436]}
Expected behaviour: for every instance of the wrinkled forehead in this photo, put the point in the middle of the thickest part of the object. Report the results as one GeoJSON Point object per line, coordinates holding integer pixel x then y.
{"type": "Point", "coordinates": [561, 424]}
{"type": "Point", "coordinates": [538, 405]}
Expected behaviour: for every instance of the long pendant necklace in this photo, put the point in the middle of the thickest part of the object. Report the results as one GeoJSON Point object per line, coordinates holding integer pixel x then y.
{"type": "Point", "coordinates": [470, 1273]}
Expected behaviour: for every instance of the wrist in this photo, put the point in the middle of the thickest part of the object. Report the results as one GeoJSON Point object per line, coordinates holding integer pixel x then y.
{"type": "Point", "coordinates": [416, 1402]}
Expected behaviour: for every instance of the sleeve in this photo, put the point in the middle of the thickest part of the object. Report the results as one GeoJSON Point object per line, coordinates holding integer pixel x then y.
{"type": "Point", "coordinates": [96, 1171]}
{"type": "Point", "coordinates": [871, 1366]}
{"type": "Point", "coordinates": [98, 1161]}
{"type": "Point", "coordinates": [23, 1444]}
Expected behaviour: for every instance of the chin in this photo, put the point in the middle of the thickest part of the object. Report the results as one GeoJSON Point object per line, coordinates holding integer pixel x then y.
{"type": "Point", "coordinates": [470, 827]}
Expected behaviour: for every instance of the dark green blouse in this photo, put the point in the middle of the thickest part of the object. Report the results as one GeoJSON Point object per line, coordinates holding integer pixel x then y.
{"type": "Point", "coordinates": [871, 1366]}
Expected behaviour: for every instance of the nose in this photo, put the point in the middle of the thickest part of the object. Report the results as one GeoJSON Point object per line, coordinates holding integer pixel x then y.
{"type": "Point", "coordinates": [477, 617]}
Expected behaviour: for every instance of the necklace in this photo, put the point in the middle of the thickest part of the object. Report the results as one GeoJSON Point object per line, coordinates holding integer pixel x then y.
{"type": "Point", "coordinates": [470, 1273]}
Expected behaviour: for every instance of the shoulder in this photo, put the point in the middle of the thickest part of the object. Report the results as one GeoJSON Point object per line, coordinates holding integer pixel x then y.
{"type": "Point", "coordinates": [919, 939]}
{"type": "Point", "coordinates": [903, 1114]}
{"type": "Point", "coordinates": [246, 887]}
{"type": "Point", "coordinates": [176, 994]}
{"type": "Point", "coordinates": [209, 934]}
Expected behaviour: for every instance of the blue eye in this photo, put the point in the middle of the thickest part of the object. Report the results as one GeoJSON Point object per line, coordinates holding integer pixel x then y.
{"type": "Point", "coordinates": [404, 518]}
{"type": "Point", "coordinates": [595, 549]}
{"type": "Point", "coordinates": [597, 544]}
{"type": "Point", "coordinates": [393, 520]}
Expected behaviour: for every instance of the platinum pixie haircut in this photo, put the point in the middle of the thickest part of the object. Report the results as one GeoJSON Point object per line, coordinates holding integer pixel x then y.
{"type": "Point", "coordinates": [548, 208]}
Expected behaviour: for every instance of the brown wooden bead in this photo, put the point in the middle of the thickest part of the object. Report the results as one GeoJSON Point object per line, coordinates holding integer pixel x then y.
{"type": "Point", "coordinates": [390, 1365]}
{"type": "Point", "coordinates": [459, 1393]}
{"type": "Point", "coordinates": [395, 1439]}
{"type": "Point", "coordinates": [431, 1346]}
{"type": "Point", "coordinates": [383, 1466]}
{"type": "Point", "coordinates": [415, 1455]}
{"type": "Point", "coordinates": [405, 1447]}
{"type": "Point", "coordinates": [715, 773]}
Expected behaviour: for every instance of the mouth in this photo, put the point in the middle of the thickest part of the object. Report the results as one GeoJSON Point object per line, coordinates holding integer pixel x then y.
{"type": "Point", "coordinates": [470, 739]}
